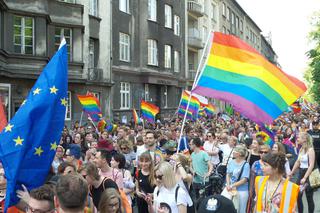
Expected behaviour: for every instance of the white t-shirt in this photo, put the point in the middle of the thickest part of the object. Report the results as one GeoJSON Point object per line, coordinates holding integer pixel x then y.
{"type": "Point", "coordinates": [209, 147]}
{"type": "Point", "coordinates": [226, 149]}
{"type": "Point", "coordinates": [166, 198]}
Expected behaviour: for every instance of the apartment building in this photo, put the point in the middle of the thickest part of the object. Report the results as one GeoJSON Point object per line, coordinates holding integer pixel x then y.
{"type": "Point", "coordinates": [30, 33]}
{"type": "Point", "coordinates": [148, 55]}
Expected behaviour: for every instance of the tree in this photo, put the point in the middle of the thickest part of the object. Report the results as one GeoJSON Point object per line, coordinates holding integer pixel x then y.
{"type": "Point", "coordinates": [312, 75]}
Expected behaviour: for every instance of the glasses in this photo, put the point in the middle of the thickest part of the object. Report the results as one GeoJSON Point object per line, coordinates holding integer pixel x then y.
{"type": "Point", "coordinates": [123, 148]}
{"type": "Point", "coordinates": [159, 177]}
{"type": "Point", "coordinates": [209, 136]}
{"type": "Point", "coordinates": [263, 152]}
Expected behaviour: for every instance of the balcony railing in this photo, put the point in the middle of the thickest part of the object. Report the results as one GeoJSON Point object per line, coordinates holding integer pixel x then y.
{"type": "Point", "coordinates": [195, 8]}
{"type": "Point", "coordinates": [194, 39]}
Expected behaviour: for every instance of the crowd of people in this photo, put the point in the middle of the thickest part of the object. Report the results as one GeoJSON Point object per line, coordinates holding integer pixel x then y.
{"type": "Point", "coordinates": [219, 165]}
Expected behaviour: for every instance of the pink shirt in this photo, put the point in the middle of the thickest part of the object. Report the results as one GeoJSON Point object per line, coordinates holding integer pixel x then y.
{"type": "Point", "coordinates": [115, 175]}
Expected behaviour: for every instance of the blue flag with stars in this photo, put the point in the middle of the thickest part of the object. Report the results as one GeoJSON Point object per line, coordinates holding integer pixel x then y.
{"type": "Point", "coordinates": [29, 141]}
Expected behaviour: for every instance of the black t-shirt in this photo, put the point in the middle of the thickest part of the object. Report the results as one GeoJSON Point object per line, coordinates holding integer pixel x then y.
{"type": "Point", "coordinates": [253, 158]}
{"type": "Point", "coordinates": [97, 192]}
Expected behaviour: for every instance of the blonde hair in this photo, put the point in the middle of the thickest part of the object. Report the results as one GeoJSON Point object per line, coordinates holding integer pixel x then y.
{"type": "Point", "coordinates": [107, 195]}
{"type": "Point", "coordinates": [147, 157]}
{"type": "Point", "coordinates": [308, 144]}
{"type": "Point", "coordinates": [126, 143]}
{"type": "Point", "coordinates": [185, 161]}
{"type": "Point", "coordinates": [241, 150]}
{"type": "Point", "coordinates": [168, 178]}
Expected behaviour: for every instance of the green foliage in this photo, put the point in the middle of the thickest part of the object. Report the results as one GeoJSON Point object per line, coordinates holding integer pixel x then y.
{"type": "Point", "coordinates": [312, 75]}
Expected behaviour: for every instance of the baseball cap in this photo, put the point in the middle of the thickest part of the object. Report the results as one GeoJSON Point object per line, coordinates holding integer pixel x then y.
{"type": "Point", "coordinates": [216, 204]}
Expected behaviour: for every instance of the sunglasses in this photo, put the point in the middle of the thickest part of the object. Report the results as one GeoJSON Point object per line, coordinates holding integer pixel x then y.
{"type": "Point", "coordinates": [123, 148]}
{"type": "Point", "coordinates": [263, 152]}
{"type": "Point", "coordinates": [159, 177]}
{"type": "Point", "coordinates": [209, 136]}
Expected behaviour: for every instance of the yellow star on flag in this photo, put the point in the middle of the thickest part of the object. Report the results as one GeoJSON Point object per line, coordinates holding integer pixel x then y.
{"type": "Point", "coordinates": [24, 102]}
{"type": "Point", "coordinates": [64, 102]}
{"type": "Point", "coordinates": [53, 146]}
{"type": "Point", "coordinates": [38, 151]}
{"type": "Point", "coordinates": [18, 140]}
{"type": "Point", "coordinates": [36, 91]}
{"type": "Point", "coordinates": [53, 90]}
{"type": "Point", "coordinates": [8, 128]}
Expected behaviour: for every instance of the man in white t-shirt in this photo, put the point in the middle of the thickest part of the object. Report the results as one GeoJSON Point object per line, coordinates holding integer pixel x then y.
{"type": "Point", "coordinates": [227, 148]}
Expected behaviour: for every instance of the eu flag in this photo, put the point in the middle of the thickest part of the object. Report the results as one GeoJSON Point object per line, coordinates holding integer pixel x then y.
{"type": "Point", "coordinates": [29, 141]}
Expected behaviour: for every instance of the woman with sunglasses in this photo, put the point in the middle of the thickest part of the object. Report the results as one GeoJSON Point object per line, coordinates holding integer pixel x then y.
{"type": "Point", "coordinates": [256, 170]}
{"type": "Point", "coordinates": [274, 193]}
{"type": "Point", "coordinates": [211, 147]}
{"type": "Point", "coordinates": [168, 196]}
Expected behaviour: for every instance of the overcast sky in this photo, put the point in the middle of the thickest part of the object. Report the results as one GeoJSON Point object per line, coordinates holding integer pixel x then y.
{"type": "Point", "coordinates": [289, 23]}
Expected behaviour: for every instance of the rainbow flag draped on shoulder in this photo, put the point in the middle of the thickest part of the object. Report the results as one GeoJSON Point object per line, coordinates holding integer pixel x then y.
{"type": "Point", "coordinates": [236, 73]}
{"type": "Point", "coordinates": [149, 111]}
{"type": "Point", "coordinates": [91, 105]}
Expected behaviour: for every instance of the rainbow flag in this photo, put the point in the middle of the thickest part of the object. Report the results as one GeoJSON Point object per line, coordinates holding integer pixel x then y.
{"type": "Point", "coordinates": [91, 105]}
{"type": "Point", "coordinates": [265, 138]}
{"type": "Point", "coordinates": [136, 118]}
{"type": "Point", "coordinates": [194, 105]}
{"type": "Point", "coordinates": [210, 109]}
{"type": "Point", "coordinates": [236, 73]}
{"type": "Point", "coordinates": [181, 113]}
{"type": "Point", "coordinates": [149, 111]}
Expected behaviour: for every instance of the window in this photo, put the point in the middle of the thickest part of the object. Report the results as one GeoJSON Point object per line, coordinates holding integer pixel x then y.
{"type": "Point", "coordinates": [241, 25]}
{"type": "Point", "coordinates": [124, 6]}
{"type": "Point", "coordinates": [67, 33]}
{"type": "Point", "coordinates": [124, 44]}
{"type": "Point", "coordinates": [165, 97]}
{"type": "Point", "coordinates": [228, 14]}
{"type": "Point", "coordinates": [237, 22]}
{"type": "Point", "coordinates": [224, 9]}
{"type": "Point", "coordinates": [124, 95]}
{"type": "Point", "coordinates": [177, 25]}
{"type": "Point", "coordinates": [5, 99]}
{"type": "Point", "coordinates": [23, 35]}
{"type": "Point", "coordinates": [152, 10]}
{"type": "Point", "coordinates": [152, 52]}
{"type": "Point", "coordinates": [68, 108]}
{"type": "Point", "coordinates": [232, 18]}
{"type": "Point", "coordinates": [146, 92]}
{"type": "Point", "coordinates": [91, 54]}
{"type": "Point", "coordinates": [176, 61]}
{"type": "Point", "coordinates": [93, 7]}
{"type": "Point", "coordinates": [214, 18]}
{"type": "Point", "coordinates": [167, 56]}
{"type": "Point", "coordinates": [167, 16]}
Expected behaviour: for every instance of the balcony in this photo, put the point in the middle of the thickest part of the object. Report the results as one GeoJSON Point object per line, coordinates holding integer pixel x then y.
{"type": "Point", "coordinates": [194, 39]}
{"type": "Point", "coordinates": [195, 8]}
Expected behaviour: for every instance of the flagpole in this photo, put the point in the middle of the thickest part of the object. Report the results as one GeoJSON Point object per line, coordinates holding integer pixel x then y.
{"type": "Point", "coordinates": [81, 118]}
{"type": "Point", "coordinates": [195, 82]}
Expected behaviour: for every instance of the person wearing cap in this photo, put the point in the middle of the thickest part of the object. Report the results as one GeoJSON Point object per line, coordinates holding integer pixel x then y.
{"type": "Point", "coordinates": [73, 155]}
{"type": "Point", "coordinates": [215, 204]}
{"type": "Point", "coordinates": [169, 148]}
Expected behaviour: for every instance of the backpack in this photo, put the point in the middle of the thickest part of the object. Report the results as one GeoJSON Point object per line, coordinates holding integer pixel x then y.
{"type": "Point", "coordinates": [124, 200]}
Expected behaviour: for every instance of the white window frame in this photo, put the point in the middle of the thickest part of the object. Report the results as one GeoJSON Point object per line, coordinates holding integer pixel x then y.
{"type": "Point", "coordinates": [167, 16]}
{"type": "Point", "coordinates": [152, 10]}
{"type": "Point", "coordinates": [23, 36]}
{"type": "Point", "coordinates": [93, 7]}
{"type": "Point", "coordinates": [69, 44]}
{"type": "Point", "coordinates": [91, 53]}
{"type": "Point", "coordinates": [176, 25]}
{"type": "Point", "coordinates": [165, 96]}
{"type": "Point", "coordinates": [69, 1]}
{"type": "Point", "coordinates": [7, 87]}
{"type": "Point", "coordinates": [152, 52]}
{"type": "Point", "coordinates": [124, 6]}
{"type": "Point", "coordinates": [167, 56]}
{"type": "Point", "coordinates": [176, 61]}
{"type": "Point", "coordinates": [228, 13]}
{"type": "Point", "coordinates": [224, 9]}
{"type": "Point", "coordinates": [124, 95]}
{"type": "Point", "coordinates": [124, 47]}
{"type": "Point", "coordinates": [146, 92]}
{"type": "Point", "coordinates": [68, 107]}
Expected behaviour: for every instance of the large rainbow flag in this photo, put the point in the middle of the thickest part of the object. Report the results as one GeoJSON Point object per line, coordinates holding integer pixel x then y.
{"type": "Point", "coordinates": [236, 73]}
{"type": "Point", "coordinates": [149, 111]}
{"type": "Point", "coordinates": [91, 105]}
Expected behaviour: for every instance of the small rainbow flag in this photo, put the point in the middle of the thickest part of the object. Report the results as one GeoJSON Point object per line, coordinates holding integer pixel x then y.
{"type": "Point", "coordinates": [136, 118]}
{"type": "Point", "coordinates": [238, 74]}
{"type": "Point", "coordinates": [194, 105]}
{"type": "Point", "coordinates": [181, 113]}
{"type": "Point", "coordinates": [91, 105]}
{"type": "Point", "coordinates": [210, 109]}
{"type": "Point", "coordinates": [149, 111]}
{"type": "Point", "coordinates": [265, 138]}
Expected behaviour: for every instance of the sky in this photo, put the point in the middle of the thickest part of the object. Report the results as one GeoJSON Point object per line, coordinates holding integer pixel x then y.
{"type": "Point", "coordinates": [289, 24]}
